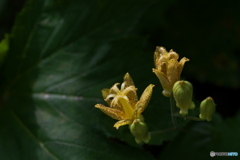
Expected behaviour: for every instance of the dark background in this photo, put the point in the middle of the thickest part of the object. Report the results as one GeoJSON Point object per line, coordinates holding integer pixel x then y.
{"type": "Point", "coordinates": [208, 33]}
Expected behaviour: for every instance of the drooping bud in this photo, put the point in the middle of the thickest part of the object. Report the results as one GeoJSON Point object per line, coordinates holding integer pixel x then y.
{"type": "Point", "coordinates": [139, 130]}
{"type": "Point", "coordinates": [182, 92]}
{"type": "Point", "coordinates": [207, 109]}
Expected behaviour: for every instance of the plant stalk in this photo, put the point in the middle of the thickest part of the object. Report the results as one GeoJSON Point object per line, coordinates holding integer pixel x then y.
{"type": "Point", "coordinates": [172, 106]}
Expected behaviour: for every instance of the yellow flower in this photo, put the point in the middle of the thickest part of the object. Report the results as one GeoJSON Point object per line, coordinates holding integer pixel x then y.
{"type": "Point", "coordinates": [124, 103]}
{"type": "Point", "coordinates": [168, 69]}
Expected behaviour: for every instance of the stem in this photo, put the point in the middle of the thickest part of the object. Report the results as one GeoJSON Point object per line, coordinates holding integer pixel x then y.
{"type": "Point", "coordinates": [162, 131]}
{"type": "Point", "coordinates": [180, 129]}
{"type": "Point", "coordinates": [188, 117]}
{"type": "Point", "coordinates": [172, 105]}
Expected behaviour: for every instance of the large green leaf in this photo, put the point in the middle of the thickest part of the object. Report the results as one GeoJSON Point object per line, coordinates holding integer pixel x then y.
{"type": "Point", "coordinates": [62, 53]}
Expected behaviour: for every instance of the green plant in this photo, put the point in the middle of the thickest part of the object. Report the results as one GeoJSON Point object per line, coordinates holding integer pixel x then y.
{"type": "Point", "coordinates": [125, 107]}
{"type": "Point", "coordinates": [62, 53]}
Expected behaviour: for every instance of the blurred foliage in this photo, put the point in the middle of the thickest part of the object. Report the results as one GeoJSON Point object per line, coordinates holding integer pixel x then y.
{"type": "Point", "coordinates": [8, 11]}
{"type": "Point", "coordinates": [4, 46]}
{"type": "Point", "coordinates": [63, 52]}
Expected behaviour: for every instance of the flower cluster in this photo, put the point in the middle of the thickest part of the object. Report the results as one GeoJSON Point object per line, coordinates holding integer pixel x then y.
{"type": "Point", "coordinates": [125, 106]}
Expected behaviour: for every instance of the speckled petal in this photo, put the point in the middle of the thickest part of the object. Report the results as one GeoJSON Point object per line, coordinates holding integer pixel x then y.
{"type": "Point", "coordinates": [160, 55]}
{"type": "Point", "coordinates": [164, 82]}
{"type": "Point", "coordinates": [172, 71]}
{"type": "Point", "coordinates": [163, 68]}
{"type": "Point", "coordinates": [128, 80]}
{"type": "Point", "coordinates": [173, 55]}
{"type": "Point", "coordinates": [114, 89]}
{"type": "Point", "coordinates": [144, 100]}
{"type": "Point", "coordinates": [131, 93]}
{"type": "Point", "coordinates": [112, 112]}
{"type": "Point", "coordinates": [156, 58]}
{"type": "Point", "coordinates": [115, 104]}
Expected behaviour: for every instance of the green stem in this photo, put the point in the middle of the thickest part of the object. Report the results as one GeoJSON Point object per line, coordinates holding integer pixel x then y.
{"type": "Point", "coordinates": [154, 133]}
{"type": "Point", "coordinates": [163, 131]}
{"type": "Point", "coordinates": [188, 117]}
{"type": "Point", "coordinates": [172, 104]}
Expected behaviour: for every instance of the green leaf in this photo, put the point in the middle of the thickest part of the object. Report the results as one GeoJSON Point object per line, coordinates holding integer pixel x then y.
{"type": "Point", "coordinates": [62, 53]}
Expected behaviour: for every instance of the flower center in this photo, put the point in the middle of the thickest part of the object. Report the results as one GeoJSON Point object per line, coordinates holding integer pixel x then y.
{"type": "Point", "coordinates": [127, 108]}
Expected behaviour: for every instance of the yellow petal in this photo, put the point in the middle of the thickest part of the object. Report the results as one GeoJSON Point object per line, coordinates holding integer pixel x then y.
{"type": "Point", "coordinates": [164, 82]}
{"type": "Point", "coordinates": [131, 93]}
{"type": "Point", "coordinates": [156, 58]}
{"type": "Point", "coordinates": [162, 56]}
{"type": "Point", "coordinates": [114, 89]}
{"type": "Point", "coordinates": [161, 50]}
{"type": "Point", "coordinates": [172, 71]}
{"type": "Point", "coordinates": [128, 80]}
{"type": "Point", "coordinates": [173, 55]}
{"type": "Point", "coordinates": [144, 100]}
{"type": "Point", "coordinates": [115, 104]}
{"type": "Point", "coordinates": [112, 112]}
{"type": "Point", "coordinates": [122, 123]}
{"type": "Point", "coordinates": [163, 68]}
{"type": "Point", "coordinates": [181, 65]}
{"type": "Point", "coordinates": [127, 108]}
{"type": "Point", "coordinates": [161, 76]}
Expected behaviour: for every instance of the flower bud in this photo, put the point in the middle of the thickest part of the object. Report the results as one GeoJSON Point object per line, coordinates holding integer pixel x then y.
{"type": "Point", "coordinates": [182, 92]}
{"type": "Point", "coordinates": [207, 108]}
{"type": "Point", "coordinates": [139, 130]}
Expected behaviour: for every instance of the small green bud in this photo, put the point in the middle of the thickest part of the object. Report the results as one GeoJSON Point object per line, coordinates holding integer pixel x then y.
{"type": "Point", "coordinates": [139, 130]}
{"type": "Point", "coordinates": [207, 108]}
{"type": "Point", "coordinates": [182, 92]}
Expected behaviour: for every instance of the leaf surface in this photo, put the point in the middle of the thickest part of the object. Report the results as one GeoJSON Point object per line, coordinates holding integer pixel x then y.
{"type": "Point", "coordinates": [62, 53]}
